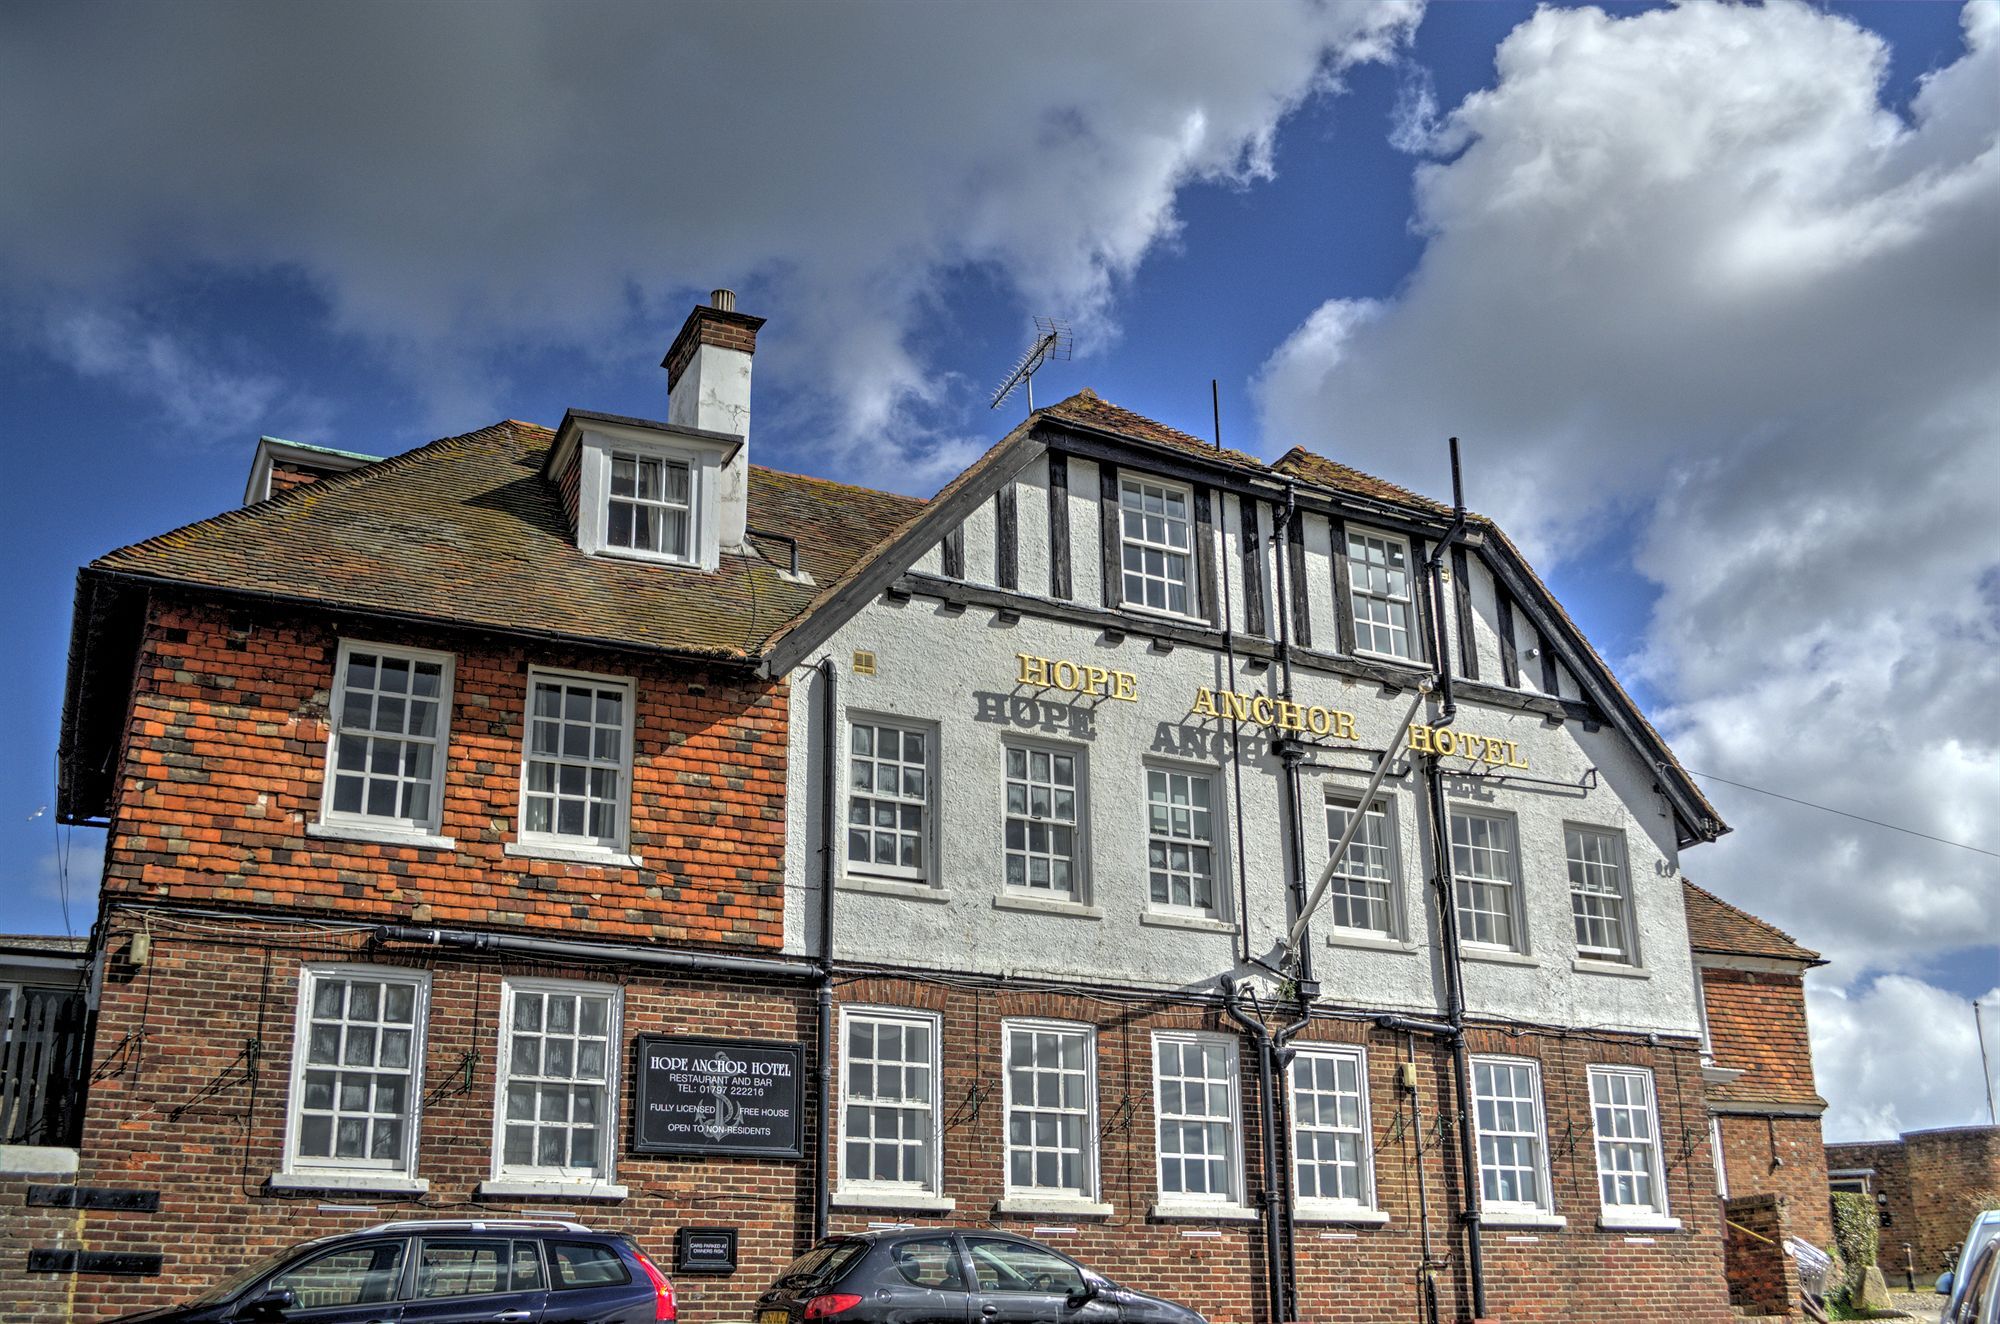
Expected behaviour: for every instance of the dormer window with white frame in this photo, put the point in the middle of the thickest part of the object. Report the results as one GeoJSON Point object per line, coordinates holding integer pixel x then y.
{"type": "Point", "coordinates": [1156, 553]}
{"type": "Point", "coordinates": [646, 491]}
{"type": "Point", "coordinates": [1382, 586]}
{"type": "Point", "coordinates": [651, 506]}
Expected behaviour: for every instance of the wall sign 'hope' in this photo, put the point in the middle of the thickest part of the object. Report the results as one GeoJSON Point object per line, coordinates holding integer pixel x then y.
{"type": "Point", "coordinates": [1077, 678]}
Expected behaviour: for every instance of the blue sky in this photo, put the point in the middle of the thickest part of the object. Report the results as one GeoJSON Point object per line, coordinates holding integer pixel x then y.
{"type": "Point", "coordinates": [370, 261]}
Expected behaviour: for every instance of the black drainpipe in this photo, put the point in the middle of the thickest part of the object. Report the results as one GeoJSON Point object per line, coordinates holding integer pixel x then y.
{"type": "Point", "coordinates": [1277, 1281]}
{"type": "Point", "coordinates": [828, 865]}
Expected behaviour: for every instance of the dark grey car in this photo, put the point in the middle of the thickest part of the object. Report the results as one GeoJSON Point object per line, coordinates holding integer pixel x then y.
{"type": "Point", "coordinates": [953, 1276]}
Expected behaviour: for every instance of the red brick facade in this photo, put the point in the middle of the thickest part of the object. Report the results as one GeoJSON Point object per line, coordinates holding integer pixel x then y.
{"type": "Point", "coordinates": [227, 754]}
{"type": "Point", "coordinates": [1929, 1184]}
{"type": "Point", "coordinates": [1780, 1156]}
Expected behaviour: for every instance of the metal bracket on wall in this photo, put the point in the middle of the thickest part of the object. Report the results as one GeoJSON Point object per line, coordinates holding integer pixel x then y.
{"type": "Point", "coordinates": [124, 1263]}
{"type": "Point", "coordinates": [94, 1197]}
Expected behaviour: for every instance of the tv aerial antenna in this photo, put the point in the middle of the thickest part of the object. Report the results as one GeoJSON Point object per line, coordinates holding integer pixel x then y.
{"type": "Point", "coordinates": [1053, 344]}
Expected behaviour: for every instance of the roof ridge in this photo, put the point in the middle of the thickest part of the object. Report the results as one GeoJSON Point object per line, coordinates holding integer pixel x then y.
{"type": "Point", "coordinates": [293, 495]}
{"type": "Point", "coordinates": [835, 482]}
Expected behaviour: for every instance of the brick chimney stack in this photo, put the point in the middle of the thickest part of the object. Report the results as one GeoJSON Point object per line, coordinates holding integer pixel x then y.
{"type": "Point", "coordinates": [708, 387]}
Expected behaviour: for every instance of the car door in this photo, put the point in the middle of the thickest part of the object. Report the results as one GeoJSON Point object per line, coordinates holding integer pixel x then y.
{"type": "Point", "coordinates": [356, 1283]}
{"type": "Point", "coordinates": [923, 1282]}
{"type": "Point", "coordinates": [590, 1283]}
{"type": "Point", "coordinates": [1019, 1282]}
{"type": "Point", "coordinates": [476, 1280]}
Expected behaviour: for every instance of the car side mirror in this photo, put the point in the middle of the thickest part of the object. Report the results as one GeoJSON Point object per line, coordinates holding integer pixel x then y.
{"type": "Point", "coordinates": [1081, 1295]}
{"type": "Point", "coordinates": [275, 1302]}
{"type": "Point", "coordinates": [1944, 1283]}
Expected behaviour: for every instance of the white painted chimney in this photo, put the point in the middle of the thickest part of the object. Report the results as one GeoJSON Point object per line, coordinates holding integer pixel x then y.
{"type": "Point", "coordinates": [708, 387]}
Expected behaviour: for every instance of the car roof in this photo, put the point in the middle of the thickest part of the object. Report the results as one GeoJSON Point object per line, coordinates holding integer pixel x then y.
{"type": "Point", "coordinates": [512, 1225]}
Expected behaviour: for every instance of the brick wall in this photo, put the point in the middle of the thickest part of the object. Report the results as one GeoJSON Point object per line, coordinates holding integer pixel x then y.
{"type": "Point", "coordinates": [179, 1108]}
{"type": "Point", "coordinates": [1763, 1280]}
{"type": "Point", "coordinates": [1757, 1024]}
{"type": "Point", "coordinates": [1781, 1156]}
{"type": "Point", "coordinates": [27, 1298]}
{"type": "Point", "coordinates": [1892, 1182]}
{"type": "Point", "coordinates": [226, 754]}
{"type": "Point", "coordinates": [285, 477]}
{"type": "Point", "coordinates": [1954, 1174]}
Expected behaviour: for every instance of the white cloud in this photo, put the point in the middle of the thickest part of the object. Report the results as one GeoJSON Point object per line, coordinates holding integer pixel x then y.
{"type": "Point", "coordinates": [455, 181]}
{"type": "Point", "coordinates": [1898, 1055]}
{"type": "Point", "coordinates": [1684, 269]}
{"type": "Point", "coordinates": [73, 873]}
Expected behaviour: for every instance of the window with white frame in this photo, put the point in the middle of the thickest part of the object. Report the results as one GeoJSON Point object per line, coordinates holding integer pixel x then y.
{"type": "Point", "coordinates": [1627, 1127]}
{"type": "Point", "coordinates": [1362, 894]}
{"type": "Point", "coordinates": [1044, 800]}
{"type": "Point", "coordinates": [1331, 1154]}
{"type": "Point", "coordinates": [1195, 1098]}
{"type": "Point", "coordinates": [1507, 1117]}
{"type": "Point", "coordinates": [357, 1065]}
{"type": "Point", "coordinates": [651, 505]}
{"type": "Point", "coordinates": [1051, 1088]}
{"type": "Point", "coordinates": [1180, 839]}
{"type": "Point", "coordinates": [889, 1109]}
{"type": "Point", "coordinates": [556, 1083]}
{"type": "Point", "coordinates": [1382, 591]}
{"type": "Point", "coordinates": [1157, 545]}
{"type": "Point", "coordinates": [1599, 898]}
{"type": "Point", "coordinates": [385, 751]}
{"type": "Point", "coordinates": [1484, 859]}
{"type": "Point", "coordinates": [888, 799]}
{"type": "Point", "coordinates": [577, 760]}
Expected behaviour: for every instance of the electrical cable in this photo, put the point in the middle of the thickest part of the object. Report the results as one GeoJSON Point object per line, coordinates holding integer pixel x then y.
{"type": "Point", "coordinates": [1859, 818]}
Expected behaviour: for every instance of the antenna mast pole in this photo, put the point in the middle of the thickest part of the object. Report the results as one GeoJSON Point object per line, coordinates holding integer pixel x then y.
{"type": "Point", "coordinates": [1985, 1069]}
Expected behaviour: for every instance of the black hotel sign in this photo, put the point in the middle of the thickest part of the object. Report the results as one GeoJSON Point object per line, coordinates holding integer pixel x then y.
{"type": "Point", "coordinates": [718, 1096]}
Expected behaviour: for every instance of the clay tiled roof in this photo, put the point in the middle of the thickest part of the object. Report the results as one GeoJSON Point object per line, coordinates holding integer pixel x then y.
{"type": "Point", "coordinates": [1302, 463]}
{"type": "Point", "coordinates": [1719, 928]}
{"type": "Point", "coordinates": [1090, 410]}
{"type": "Point", "coordinates": [466, 529]}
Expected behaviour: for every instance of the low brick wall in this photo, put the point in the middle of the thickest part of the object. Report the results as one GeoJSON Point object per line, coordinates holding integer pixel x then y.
{"type": "Point", "coordinates": [1763, 1280]}
{"type": "Point", "coordinates": [37, 1298]}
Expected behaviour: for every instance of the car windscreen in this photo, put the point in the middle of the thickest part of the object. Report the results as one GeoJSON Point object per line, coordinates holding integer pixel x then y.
{"type": "Point", "coordinates": [822, 1264]}
{"type": "Point", "coordinates": [242, 1278]}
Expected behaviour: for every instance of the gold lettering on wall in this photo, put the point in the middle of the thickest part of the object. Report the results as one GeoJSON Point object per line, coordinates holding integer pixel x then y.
{"type": "Point", "coordinates": [1447, 743]}
{"type": "Point", "coordinates": [1280, 714]}
{"type": "Point", "coordinates": [1045, 673]}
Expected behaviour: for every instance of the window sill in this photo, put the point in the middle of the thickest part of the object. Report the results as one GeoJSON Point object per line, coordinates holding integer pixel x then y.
{"type": "Point", "coordinates": [1169, 1211]}
{"type": "Point", "coordinates": [907, 888]}
{"type": "Point", "coordinates": [1308, 1212]}
{"type": "Point", "coordinates": [1637, 1223]}
{"type": "Point", "coordinates": [1166, 919]}
{"type": "Point", "coordinates": [1391, 659]}
{"type": "Point", "coordinates": [375, 1183]}
{"type": "Point", "coordinates": [1073, 909]}
{"type": "Point", "coordinates": [37, 1161]}
{"type": "Point", "coordinates": [1585, 965]}
{"type": "Point", "coordinates": [534, 850]}
{"type": "Point", "coordinates": [380, 836]}
{"type": "Point", "coordinates": [914, 1202]}
{"type": "Point", "coordinates": [650, 558]}
{"type": "Point", "coordinates": [1520, 1218]}
{"type": "Point", "coordinates": [1498, 956]}
{"type": "Point", "coordinates": [1162, 613]}
{"type": "Point", "coordinates": [1064, 1206]}
{"type": "Point", "coordinates": [1370, 942]}
{"type": "Point", "coordinates": [521, 1188]}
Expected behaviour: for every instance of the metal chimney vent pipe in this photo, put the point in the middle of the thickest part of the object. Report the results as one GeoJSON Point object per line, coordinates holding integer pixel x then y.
{"type": "Point", "coordinates": [723, 301]}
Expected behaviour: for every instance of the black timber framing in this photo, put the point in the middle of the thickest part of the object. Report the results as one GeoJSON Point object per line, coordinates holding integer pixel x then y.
{"type": "Point", "coordinates": [1059, 573]}
{"type": "Point", "coordinates": [1108, 542]}
{"type": "Point", "coordinates": [954, 552]}
{"type": "Point", "coordinates": [1420, 592]}
{"type": "Point", "coordinates": [1343, 585]}
{"type": "Point", "coordinates": [1551, 673]}
{"type": "Point", "coordinates": [1006, 537]}
{"type": "Point", "coordinates": [1461, 596]}
{"type": "Point", "coordinates": [1295, 575]}
{"type": "Point", "coordinates": [1250, 539]}
{"type": "Point", "coordinates": [1207, 607]}
{"type": "Point", "coordinates": [1510, 656]}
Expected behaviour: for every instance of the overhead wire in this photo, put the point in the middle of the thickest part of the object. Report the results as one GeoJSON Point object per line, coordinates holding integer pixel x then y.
{"type": "Point", "coordinates": [1859, 818]}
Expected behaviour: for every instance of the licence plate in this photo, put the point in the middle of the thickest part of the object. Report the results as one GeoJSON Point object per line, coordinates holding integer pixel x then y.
{"type": "Point", "coordinates": [773, 1316]}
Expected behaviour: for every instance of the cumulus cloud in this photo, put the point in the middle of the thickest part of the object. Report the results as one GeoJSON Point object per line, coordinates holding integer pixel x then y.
{"type": "Point", "coordinates": [70, 874]}
{"type": "Point", "coordinates": [1898, 1055]}
{"type": "Point", "coordinates": [458, 181]}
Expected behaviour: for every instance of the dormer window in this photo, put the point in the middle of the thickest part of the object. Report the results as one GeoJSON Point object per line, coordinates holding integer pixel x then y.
{"type": "Point", "coordinates": [652, 506]}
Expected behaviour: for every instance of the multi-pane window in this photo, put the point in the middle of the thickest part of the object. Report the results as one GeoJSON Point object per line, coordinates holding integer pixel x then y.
{"type": "Point", "coordinates": [888, 799]}
{"type": "Point", "coordinates": [1180, 839]}
{"type": "Point", "coordinates": [1597, 892]}
{"type": "Point", "coordinates": [1628, 1141]}
{"type": "Point", "coordinates": [1043, 791]}
{"type": "Point", "coordinates": [355, 1069]}
{"type": "Point", "coordinates": [385, 757]}
{"type": "Point", "coordinates": [1362, 892]}
{"type": "Point", "coordinates": [1049, 1086]}
{"type": "Point", "coordinates": [555, 1082]}
{"type": "Point", "coordinates": [578, 752]}
{"type": "Point", "coordinates": [1157, 540]}
{"type": "Point", "coordinates": [1507, 1101]}
{"type": "Point", "coordinates": [889, 1110]}
{"type": "Point", "coordinates": [651, 505]}
{"type": "Point", "coordinates": [1482, 858]}
{"type": "Point", "coordinates": [1381, 588]}
{"type": "Point", "coordinates": [1194, 1096]}
{"type": "Point", "coordinates": [1330, 1149]}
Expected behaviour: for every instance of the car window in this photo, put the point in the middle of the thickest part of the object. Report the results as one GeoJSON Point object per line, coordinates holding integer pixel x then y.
{"type": "Point", "coordinates": [929, 1263]}
{"type": "Point", "coordinates": [823, 1263]}
{"type": "Point", "coordinates": [1013, 1266]}
{"type": "Point", "coordinates": [1979, 1290]}
{"type": "Point", "coordinates": [358, 1275]}
{"type": "Point", "coordinates": [575, 1264]}
{"type": "Point", "coordinates": [464, 1266]}
{"type": "Point", "coordinates": [526, 1272]}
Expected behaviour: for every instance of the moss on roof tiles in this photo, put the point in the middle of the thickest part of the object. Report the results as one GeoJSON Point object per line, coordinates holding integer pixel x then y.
{"type": "Point", "coordinates": [466, 530]}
